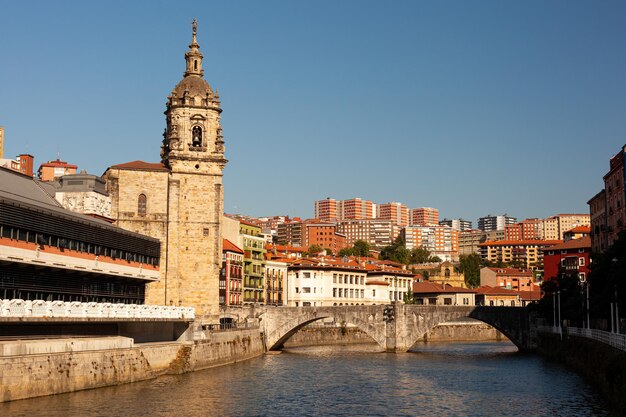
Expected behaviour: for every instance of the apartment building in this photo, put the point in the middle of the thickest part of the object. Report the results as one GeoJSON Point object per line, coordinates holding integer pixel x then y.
{"type": "Point", "coordinates": [567, 258]}
{"type": "Point", "coordinates": [441, 241]}
{"type": "Point", "coordinates": [526, 253]}
{"type": "Point", "coordinates": [253, 245]}
{"type": "Point", "coordinates": [378, 233]}
{"type": "Point", "coordinates": [50, 170]}
{"type": "Point", "coordinates": [469, 241]}
{"type": "Point", "coordinates": [326, 210]}
{"type": "Point", "coordinates": [490, 223]}
{"type": "Point", "coordinates": [517, 279]}
{"type": "Point", "coordinates": [457, 224]}
{"type": "Point", "coordinates": [555, 226]}
{"type": "Point", "coordinates": [598, 220]}
{"type": "Point", "coordinates": [423, 216]}
{"type": "Point", "coordinates": [397, 213]}
{"type": "Point", "coordinates": [275, 280]}
{"type": "Point", "coordinates": [529, 229]}
{"type": "Point", "coordinates": [607, 208]}
{"type": "Point", "coordinates": [231, 274]}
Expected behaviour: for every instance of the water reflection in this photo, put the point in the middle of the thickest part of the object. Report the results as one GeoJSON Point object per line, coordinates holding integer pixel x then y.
{"type": "Point", "coordinates": [461, 379]}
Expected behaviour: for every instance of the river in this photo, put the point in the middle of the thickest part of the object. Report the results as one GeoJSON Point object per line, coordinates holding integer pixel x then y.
{"type": "Point", "coordinates": [436, 379]}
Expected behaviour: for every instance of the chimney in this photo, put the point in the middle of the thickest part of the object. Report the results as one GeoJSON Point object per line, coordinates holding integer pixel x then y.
{"type": "Point", "coordinates": [1, 142]}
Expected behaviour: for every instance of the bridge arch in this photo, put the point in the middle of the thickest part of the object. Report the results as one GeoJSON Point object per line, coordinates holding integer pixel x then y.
{"type": "Point", "coordinates": [280, 324]}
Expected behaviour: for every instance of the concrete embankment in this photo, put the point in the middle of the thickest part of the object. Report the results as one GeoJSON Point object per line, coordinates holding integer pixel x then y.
{"type": "Point", "coordinates": [33, 368]}
{"type": "Point", "coordinates": [456, 331]}
{"type": "Point", "coordinates": [603, 366]}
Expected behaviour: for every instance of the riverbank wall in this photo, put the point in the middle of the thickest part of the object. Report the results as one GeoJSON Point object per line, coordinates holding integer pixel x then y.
{"type": "Point", "coordinates": [33, 368]}
{"type": "Point", "coordinates": [601, 365]}
{"type": "Point", "coordinates": [455, 331]}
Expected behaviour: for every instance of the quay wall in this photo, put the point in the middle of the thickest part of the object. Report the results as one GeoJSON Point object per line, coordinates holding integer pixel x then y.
{"type": "Point", "coordinates": [601, 365]}
{"type": "Point", "coordinates": [88, 363]}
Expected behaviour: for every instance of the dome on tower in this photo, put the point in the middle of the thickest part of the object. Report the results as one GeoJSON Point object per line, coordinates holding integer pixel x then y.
{"type": "Point", "coordinates": [194, 85]}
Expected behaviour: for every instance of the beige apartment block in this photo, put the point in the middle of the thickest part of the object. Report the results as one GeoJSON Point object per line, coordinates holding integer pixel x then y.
{"type": "Point", "coordinates": [555, 226]}
{"type": "Point", "coordinates": [180, 199]}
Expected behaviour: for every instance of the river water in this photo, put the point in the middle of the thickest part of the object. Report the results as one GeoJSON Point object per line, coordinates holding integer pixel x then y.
{"type": "Point", "coordinates": [447, 379]}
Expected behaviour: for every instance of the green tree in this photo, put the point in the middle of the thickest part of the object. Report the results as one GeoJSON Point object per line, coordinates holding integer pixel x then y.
{"type": "Point", "coordinates": [419, 255]}
{"type": "Point", "coordinates": [396, 252]}
{"type": "Point", "coordinates": [361, 248]}
{"type": "Point", "coordinates": [470, 266]}
{"type": "Point", "coordinates": [408, 297]}
{"type": "Point", "coordinates": [314, 249]}
{"type": "Point", "coordinates": [345, 252]}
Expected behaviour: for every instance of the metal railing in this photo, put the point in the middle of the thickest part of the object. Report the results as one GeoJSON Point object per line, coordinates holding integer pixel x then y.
{"type": "Point", "coordinates": [17, 308]}
{"type": "Point", "coordinates": [615, 340]}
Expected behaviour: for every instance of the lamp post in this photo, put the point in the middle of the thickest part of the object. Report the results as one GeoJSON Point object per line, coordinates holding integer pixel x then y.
{"type": "Point", "coordinates": [554, 310]}
{"type": "Point", "coordinates": [588, 319]}
{"type": "Point", "coordinates": [558, 296]}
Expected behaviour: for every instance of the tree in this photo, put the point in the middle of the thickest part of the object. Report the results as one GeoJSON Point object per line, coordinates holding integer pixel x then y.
{"type": "Point", "coordinates": [315, 248]}
{"type": "Point", "coordinates": [396, 252]}
{"type": "Point", "coordinates": [361, 248]}
{"type": "Point", "coordinates": [408, 297]}
{"type": "Point", "coordinates": [470, 266]}
{"type": "Point", "coordinates": [419, 255]}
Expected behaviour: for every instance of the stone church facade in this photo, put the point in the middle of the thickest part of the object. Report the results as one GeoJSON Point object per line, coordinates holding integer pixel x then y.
{"type": "Point", "coordinates": [180, 200]}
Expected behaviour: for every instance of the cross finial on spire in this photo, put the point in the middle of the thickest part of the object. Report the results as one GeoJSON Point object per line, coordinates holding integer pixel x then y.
{"type": "Point", "coordinates": [194, 26]}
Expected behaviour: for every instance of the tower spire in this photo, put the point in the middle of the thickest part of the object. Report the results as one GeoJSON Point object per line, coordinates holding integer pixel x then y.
{"type": "Point", "coordinates": [193, 57]}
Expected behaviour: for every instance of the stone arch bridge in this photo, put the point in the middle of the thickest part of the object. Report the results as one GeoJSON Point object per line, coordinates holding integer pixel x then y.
{"type": "Point", "coordinates": [395, 327]}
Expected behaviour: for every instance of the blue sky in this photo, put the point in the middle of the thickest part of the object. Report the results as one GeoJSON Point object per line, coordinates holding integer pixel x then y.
{"type": "Point", "coordinates": [473, 107]}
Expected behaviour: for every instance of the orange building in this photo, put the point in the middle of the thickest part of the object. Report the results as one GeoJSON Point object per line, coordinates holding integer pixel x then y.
{"type": "Point", "coordinates": [510, 278]}
{"type": "Point", "coordinates": [398, 213]}
{"type": "Point", "coordinates": [53, 169]}
{"type": "Point", "coordinates": [326, 210]}
{"type": "Point", "coordinates": [423, 216]}
{"type": "Point", "coordinates": [529, 229]}
{"type": "Point", "coordinates": [356, 208]}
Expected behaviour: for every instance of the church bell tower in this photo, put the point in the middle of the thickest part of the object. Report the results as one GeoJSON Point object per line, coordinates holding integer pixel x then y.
{"type": "Point", "coordinates": [193, 151]}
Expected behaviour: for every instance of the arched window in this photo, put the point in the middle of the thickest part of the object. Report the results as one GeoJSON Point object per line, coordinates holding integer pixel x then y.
{"type": "Point", "coordinates": [195, 65]}
{"type": "Point", "coordinates": [196, 134]}
{"type": "Point", "coordinates": [447, 272]}
{"type": "Point", "coordinates": [142, 203]}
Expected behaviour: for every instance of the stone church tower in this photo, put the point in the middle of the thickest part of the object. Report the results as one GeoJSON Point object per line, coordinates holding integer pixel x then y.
{"type": "Point", "coordinates": [180, 200]}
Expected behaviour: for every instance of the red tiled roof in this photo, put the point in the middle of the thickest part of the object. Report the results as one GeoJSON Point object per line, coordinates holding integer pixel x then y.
{"type": "Point", "coordinates": [520, 242]}
{"type": "Point", "coordinates": [580, 229]}
{"type": "Point", "coordinates": [426, 287]}
{"type": "Point", "coordinates": [582, 243]}
{"type": "Point", "coordinates": [58, 163]}
{"type": "Point", "coordinates": [141, 166]}
{"type": "Point", "coordinates": [487, 290]}
{"type": "Point", "coordinates": [512, 271]}
{"type": "Point", "coordinates": [530, 295]}
{"type": "Point", "coordinates": [227, 245]}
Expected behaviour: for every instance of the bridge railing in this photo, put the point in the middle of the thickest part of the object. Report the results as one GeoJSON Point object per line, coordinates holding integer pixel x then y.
{"type": "Point", "coordinates": [17, 308]}
{"type": "Point", "coordinates": [616, 340]}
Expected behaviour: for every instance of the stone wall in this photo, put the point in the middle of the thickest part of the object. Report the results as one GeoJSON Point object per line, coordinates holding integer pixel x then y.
{"type": "Point", "coordinates": [78, 364]}
{"type": "Point", "coordinates": [603, 366]}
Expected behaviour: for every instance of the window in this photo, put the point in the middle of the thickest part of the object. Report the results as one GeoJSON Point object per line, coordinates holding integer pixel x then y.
{"type": "Point", "coordinates": [581, 261]}
{"type": "Point", "coordinates": [196, 136]}
{"type": "Point", "coordinates": [142, 202]}
{"type": "Point", "coordinates": [447, 301]}
{"type": "Point", "coordinates": [306, 290]}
